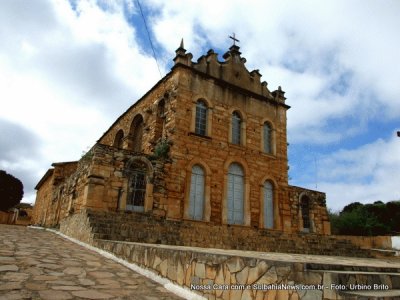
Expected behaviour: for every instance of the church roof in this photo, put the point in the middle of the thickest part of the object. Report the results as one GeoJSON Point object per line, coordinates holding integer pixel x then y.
{"type": "Point", "coordinates": [232, 72]}
{"type": "Point", "coordinates": [44, 178]}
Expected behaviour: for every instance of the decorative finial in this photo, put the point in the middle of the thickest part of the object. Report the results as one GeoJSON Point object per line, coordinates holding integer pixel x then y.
{"type": "Point", "coordinates": [181, 46]}
{"type": "Point", "coordinates": [233, 37]}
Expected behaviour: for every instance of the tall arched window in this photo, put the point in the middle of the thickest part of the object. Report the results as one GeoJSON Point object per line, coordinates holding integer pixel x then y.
{"type": "Point", "coordinates": [305, 212]}
{"type": "Point", "coordinates": [235, 194]}
{"type": "Point", "coordinates": [161, 108]}
{"type": "Point", "coordinates": [196, 201]}
{"type": "Point", "coordinates": [267, 138]}
{"type": "Point", "coordinates": [118, 140]}
{"type": "Point", "coordinates": [201, 118]}
{"type": "Point", "coordinates": [136, 132]}
{"type": "Point", "coordinates": [236, 128]}
{"type": "Point", "coordinates": [268, 205]}
{"type": "Point", "coordinates": [160, 120]}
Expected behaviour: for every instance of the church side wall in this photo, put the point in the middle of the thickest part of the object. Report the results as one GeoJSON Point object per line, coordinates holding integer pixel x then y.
{"type": "Point", "coordinates": [106, 179]}
{"type": "Point", "coordinates": [147, 108]}
{"type": "Point", "coordinates": [43, 201]}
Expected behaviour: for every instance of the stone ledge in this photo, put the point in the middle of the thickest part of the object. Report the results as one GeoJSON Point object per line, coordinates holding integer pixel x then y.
{"type": "Point", "coordinates": [233, 274]}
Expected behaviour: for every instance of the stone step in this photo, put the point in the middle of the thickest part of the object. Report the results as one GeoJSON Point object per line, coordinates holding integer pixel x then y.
{"type": "Point", "coordinates": [384, 253]}
{"type": "Point", "coordinates": [332, 280]}
{"type": "Point", "coordinates": [124, 226]}
{"type": "Point", "coordinates": [372, 294]}
{"type": "Point", "coordinates": [389, 272]}
{"type": "Point", "coordinates": [351, 269]}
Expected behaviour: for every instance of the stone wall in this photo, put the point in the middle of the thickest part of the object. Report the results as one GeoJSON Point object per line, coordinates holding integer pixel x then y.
{"type": "Point", "coordinates": [78, 227]}
{"type": "Point", "coordinates": [229, 275]}
{"type": "Point", "coordinates": [146, 107]}
{"type": "Point", "coordinates": [319, 219]}
{"type": "Point", "coordinates": [370, 242]}
{"type": "Point", "coordinates": [6, 217]}
{"type": "Point", "coordinates": [214, 152]}
{"type": "Point", "coordinates": [168, 111]}
{"type": "Point", "coordinates": [61, 192]}
{"type": "Point", "coordinates": [43, 199]}
{"type": "Point", "coordinates": [99, 182]}
{"type": "Point", "coordinates": [146, 228]}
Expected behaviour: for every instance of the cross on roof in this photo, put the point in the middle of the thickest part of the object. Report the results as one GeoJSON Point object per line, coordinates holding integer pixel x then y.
{"type": "Point", "coordinates": [234, 39]}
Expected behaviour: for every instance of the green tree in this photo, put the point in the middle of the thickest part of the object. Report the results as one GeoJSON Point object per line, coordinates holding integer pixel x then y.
{"type": "Point", "coordinates": [369, 219]}
{"type": "Point", "coordinates": [392, 216]}
{"type": "Point", "coordinates": [11, 191]}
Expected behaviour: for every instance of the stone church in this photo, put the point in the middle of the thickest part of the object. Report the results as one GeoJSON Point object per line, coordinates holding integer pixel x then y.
{"type": "Point", "coordinates": [207, 143]}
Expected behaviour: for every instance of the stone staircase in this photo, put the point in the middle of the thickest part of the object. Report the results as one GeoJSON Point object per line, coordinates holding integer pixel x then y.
{"type": "Point", "coordinates": [190, 252]}
{"type": "Point", "coordinates": [144, 228]}
{"type": "Point", "coordinates": [320, 277]}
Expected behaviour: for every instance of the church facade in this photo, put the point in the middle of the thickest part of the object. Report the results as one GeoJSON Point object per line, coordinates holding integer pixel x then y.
{"type": "Point", "coordinates": [207, 143]}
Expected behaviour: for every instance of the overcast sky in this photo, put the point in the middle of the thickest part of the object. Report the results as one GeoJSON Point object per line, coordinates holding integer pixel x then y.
{"type": "Point", "coordinates": [68, 69]}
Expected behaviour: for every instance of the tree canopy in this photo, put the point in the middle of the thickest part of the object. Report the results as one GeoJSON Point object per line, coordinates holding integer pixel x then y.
{"type": "Point", "coordinates": [377, 218]}
{"type": "Point", "coordinates": [11, 191]}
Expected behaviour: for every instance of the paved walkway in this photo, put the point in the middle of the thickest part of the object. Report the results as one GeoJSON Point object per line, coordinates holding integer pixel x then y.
{"type": "Point", "coordinates": [36, 264]}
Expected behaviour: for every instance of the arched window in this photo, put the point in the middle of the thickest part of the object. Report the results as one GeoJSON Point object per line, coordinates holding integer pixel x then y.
{"type": "Point", "coordinates": [235, 194]}
{"type": "Point", "coordinates": [305, 212]}
{"type": "Point", "coordinates": [236, 128]}
{"type": "Point", "coordinates": [196, 201]}
{"type": "Point", "coordinates": [268, 205]}
{"type": "Point", "coordinates": [118, 140]}
{"type": "Point", "coordinates": [161, 108]}
{"type": "Point", "coordinates": [267, 138]}
{"type": "Point", "coordinates": [136, 131]}
{"type": "Point", "coordinates": [160, 120]}
{"type": "Point", "coordinates": [201, 118]}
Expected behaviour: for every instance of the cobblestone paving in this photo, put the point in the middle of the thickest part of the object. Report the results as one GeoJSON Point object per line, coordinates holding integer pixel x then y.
{"type": "Point", "coordinates": [36, 264]}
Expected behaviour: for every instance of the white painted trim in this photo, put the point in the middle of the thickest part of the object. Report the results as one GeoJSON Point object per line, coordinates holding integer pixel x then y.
{"type": "Point", "coordinates": [396, 242]}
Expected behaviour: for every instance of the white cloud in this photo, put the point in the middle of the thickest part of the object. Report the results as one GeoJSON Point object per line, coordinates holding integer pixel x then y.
{"type": "Point", "coordinates": [66, 74]}
{"type": "Point", "coordinates": [304, 46]}
{"type": "Point", "coordinates": [366, 174]}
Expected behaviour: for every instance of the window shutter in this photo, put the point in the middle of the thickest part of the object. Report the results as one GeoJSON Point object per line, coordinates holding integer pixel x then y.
{"type": "Point", "coordinates": [196, 205]}
{"type": "Point", "coordinates": [305, 212]}
{"type": "Point", "coordinates": [230, 198]}
{"type": "Point", "coordinates": [268, 205]}
{"type": "Point", "coordinates": [236, 128]}
{"type": "Point", "coordinates": [267, 138]}
{"type": "Point", "coordinates": [235, 195]}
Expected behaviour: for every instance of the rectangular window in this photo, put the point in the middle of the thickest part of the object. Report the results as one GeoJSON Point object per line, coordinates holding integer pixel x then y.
{"type": "Point", "coordinates": [201, 118]}
{"type": "Point", "coordinates": [236, 128]}
{"type": "Point", "coordinates": [267, 138]}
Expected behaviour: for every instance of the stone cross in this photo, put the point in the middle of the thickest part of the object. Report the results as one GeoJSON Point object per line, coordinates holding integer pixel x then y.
{"type": "Point", "coordinates": [234, 39]}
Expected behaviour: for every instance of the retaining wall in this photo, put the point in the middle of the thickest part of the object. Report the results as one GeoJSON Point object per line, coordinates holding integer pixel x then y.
{"type": "Point", "coordinates": [228, 274]}
{"type": "Point", "coordinates": [233, 274]}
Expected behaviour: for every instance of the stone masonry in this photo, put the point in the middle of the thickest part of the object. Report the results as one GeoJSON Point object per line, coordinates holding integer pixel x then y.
{"type": "Point", "coordinates": [212, 117]}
